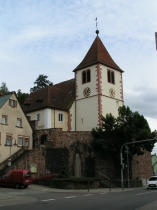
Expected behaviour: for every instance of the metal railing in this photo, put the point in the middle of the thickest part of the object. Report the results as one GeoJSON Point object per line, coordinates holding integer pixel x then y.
{"type": "Point", "coordinates": [107, 179]}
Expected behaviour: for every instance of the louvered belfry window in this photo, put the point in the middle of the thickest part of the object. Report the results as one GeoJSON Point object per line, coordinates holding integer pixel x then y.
{"type": "Point", "coordinates": [86, 77]}
{"type": "Point", "coordinates": [110, 76]}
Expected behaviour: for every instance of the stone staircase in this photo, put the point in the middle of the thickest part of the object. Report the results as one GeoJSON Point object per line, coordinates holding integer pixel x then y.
{"type": "Point", "coordinates": [14, 158]}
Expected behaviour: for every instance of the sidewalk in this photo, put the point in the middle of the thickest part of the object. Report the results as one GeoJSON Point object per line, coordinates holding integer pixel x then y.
{"type": "Point", "coordinates": [9, 199]}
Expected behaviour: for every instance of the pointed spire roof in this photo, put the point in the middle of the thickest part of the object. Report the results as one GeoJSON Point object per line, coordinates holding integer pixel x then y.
{"type": "Point", "coordinates": [97, 54]}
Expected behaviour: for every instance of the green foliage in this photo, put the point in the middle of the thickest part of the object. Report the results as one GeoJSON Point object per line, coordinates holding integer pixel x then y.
{"type": "Point", "coordinates": [4, 88]}
{"type": "Point", "coordinates": [76, 179]}
{"type": "Point", "coordinates": [40, 82]}
{"type": "Point", "coordinates": [127, 127]}
{"type": "Point", "coordinates": [64, 171]}
{"type": "Point", "coordinates": [21, 96]}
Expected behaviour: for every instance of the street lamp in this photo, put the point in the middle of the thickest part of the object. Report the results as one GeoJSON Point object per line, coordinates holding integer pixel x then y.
{"type": "Point", "coordinates": [127, 152]}
{"type": "Point", "coordinates": [9, 143]}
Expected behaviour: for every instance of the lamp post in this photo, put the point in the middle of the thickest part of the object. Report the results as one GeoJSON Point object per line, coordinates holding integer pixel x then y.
{"type": "Point", "coordinates": [127, 152]}
{"type": "Point", "coordinates": [9, 143]}
{"type": "Point", "coordinates": [121, 157]}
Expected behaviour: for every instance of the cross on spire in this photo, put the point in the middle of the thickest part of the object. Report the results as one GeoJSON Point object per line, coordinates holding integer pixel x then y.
{"type": "Point", "coordinates": [97, 31]}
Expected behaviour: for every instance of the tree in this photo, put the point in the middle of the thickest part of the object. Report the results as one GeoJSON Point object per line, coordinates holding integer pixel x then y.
{"type": "Point", "coordinates": [21, 96]}
{"type": "Point", "coordinates": [41, 82]}
{"type": "Point", "coordinates": [127, 127]}
{"type": "Point", "coordinates": [4, 88]}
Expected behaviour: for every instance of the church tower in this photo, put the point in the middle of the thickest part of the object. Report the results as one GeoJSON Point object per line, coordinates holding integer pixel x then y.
{"type": "Point", "coordinates": [99, 87]}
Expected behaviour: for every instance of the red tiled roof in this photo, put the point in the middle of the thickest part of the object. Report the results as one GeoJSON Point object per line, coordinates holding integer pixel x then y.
{"type": "Point", "coordinates": [97, 54]}
{"type": "Point", "coordinates": [59, 96]}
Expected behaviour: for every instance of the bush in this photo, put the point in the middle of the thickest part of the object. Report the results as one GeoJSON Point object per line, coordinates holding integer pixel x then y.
{"type": "Point", "coordinates": [46, 178]}
{"type": "Point", "coordinates": [76, 179]}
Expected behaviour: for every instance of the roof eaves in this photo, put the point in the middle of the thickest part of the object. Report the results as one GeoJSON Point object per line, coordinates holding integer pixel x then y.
{"type": "Point", "coordinates": [96, 62]}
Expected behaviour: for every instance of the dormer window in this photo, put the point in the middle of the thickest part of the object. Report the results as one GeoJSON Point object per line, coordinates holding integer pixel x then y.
{"type": "Point", "coordinates": [26, 105]}
{"type": "Point", "coordinates": [39, 101]}
{"type": "Point", "coordinates": [110, 76]}
{"type": "Point", "coordinates": [86, 77]}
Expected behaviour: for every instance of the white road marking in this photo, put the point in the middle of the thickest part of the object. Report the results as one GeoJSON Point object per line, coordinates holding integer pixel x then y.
{"type": "Point", "coordinates": [88, 194]}
{"type": "Point", "coordinates": [49, 200]}
{"type": "Point", "coordinates": [71, 197]}
{"type": "Point", "coordinates": [146, 193]}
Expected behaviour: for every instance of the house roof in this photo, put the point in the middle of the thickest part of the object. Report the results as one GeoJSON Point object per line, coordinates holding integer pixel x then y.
{"type": "Point", "coordinates": [97, 54]}
{"type": "Point", "coordinates": [3, 99]}
{"type": "Point", "coordinates": [59, 96]}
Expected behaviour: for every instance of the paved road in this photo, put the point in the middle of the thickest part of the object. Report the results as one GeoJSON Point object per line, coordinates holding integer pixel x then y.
{"type": "Point", "coordinates": [37, 196]}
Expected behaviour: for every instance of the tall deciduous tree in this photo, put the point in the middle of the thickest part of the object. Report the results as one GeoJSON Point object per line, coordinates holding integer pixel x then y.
{"type": "Point", "coordinates": [127, 127]}
{"type": "Point", "coordinates": [41, 82]}
{"type": "Point", "coordinates": [21, 96]}
{"type": "Point", "coordinates": [4, 88]}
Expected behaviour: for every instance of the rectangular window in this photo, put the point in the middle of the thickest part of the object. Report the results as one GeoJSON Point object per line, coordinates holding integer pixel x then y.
{"type": "Point", "coordinates": [86, 77]}
{"type": "Point", "coordinates": [38, 117]}
{"type": "Point", "coordinates": [20, 141]}
{"type": "Point", "coordinates": [110, 76]}
{"type": "Point", "coordinates": [4, 119]}
{"type": "Point", "coordinates": [19, 122]}
{"type": "Point", "coordinates": [60, 117]}
{"type": "Point", "coordinates": [12, 103]}
{"type": "Point", "coordinates": [26, 141]}
{"type": "Point", "coordinates": [9, 139]}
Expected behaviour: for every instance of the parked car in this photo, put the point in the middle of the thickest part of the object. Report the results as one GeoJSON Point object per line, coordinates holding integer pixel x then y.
{"type": "Point", "coordinates": [16, 178]}
{"type": "Point", "coordinates": [152, 182]}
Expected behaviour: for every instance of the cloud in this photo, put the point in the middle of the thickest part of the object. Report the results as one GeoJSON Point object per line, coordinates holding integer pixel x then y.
{"type": "Point", "coordinates": [142, 99]}
{"type": "Point", "coordinates": [52, 37]}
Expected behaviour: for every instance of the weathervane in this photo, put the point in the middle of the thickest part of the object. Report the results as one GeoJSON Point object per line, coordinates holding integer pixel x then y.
{"type": "Point", "coordinates": [97, 31]}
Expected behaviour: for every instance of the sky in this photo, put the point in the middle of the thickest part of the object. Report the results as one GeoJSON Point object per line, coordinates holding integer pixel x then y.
{"type": "Point", "coordinates": [51, 37]}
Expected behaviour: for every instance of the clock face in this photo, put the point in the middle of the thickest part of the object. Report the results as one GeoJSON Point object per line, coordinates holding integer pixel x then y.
{"type": "Point", "coordinates": [86, 92]}
{"type": "Point", "coordinates": [112, 92]}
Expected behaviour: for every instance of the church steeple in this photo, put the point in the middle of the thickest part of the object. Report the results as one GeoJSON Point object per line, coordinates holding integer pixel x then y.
{"type": "Point", "coordinates": [97, 54]}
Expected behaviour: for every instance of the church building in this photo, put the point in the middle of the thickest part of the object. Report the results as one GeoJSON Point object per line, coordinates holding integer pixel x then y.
{"type": "Point", "coordinates": [63, 115]}
{"type": "Point", "coordinates": [79, 103]}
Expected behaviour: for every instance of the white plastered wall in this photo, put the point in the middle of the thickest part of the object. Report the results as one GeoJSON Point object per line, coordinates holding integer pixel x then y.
{"type": "Point", "coordinates": [87, 114]}
{"type": "Point", "coordinates": [47, 118]}
{"type": "Point", "coordinates": [72, 118]}
{"type": "Point", "coordinates": [111, 105]}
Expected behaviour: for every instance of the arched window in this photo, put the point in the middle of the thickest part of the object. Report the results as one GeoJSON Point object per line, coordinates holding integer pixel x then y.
{"type": "Point", "coordinates": [110, 76]}
{"type": "Point", "coordinates": [86, 76]}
